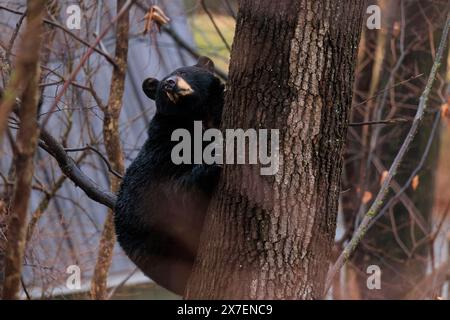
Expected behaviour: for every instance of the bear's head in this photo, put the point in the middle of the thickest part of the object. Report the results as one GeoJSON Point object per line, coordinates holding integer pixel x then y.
{"type": "Point", "coordinates": [192, 92]}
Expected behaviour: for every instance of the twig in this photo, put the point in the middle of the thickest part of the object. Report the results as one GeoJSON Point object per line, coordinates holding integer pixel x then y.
{"type": "Point", "coordinates": [45, 201]}
{"type": "Point", "coordinates": [75, 84]}
{"type": "Point", "coordinates": [70, 168]}
{"type": "Point", "coordinates": [108, 165]}
{"type": "Point", "coordinates": [14, 35]}
{"type": "Point", "coordinates": [24, 288]}
{"type": "Point", "coordinates": [416, 170]}
{"type": "Point", "coordinates": [179, 41]}
{"type": "Point", "coordinates": [54, 23]}
{"type": "Point", "coordinates": [388, 88]}
{"type": "Point", "coordinates": [230, 9]}
{"type": "Point", "coordinates": [215, 25]}
{"type": "Point", "coordinates": [368, 123]}
{"type": "Point", "coordinates": [378, 202]}
{"type": "Point", "coordinates": [122, 283]}
{"type": "Point", "coordinates": [86, 56]}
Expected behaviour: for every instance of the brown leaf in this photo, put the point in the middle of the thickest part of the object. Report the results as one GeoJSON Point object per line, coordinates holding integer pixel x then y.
{"type": "Point", "coordinates": [383, 176]}
{"type": "Point", "coordinates": [444, 110]}
{"type": "Point", "coordinates": [155, 16]}
{"type": "Point", "coordinates": [415, 182]}
{"type": "Point", "coordinates": [367, 197]}
{"type": "Point", "coordinates": [396, 29]}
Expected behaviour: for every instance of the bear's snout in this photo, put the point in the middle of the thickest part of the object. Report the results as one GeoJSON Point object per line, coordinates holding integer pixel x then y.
{"type": "Point", "coordinates": [170, 84]}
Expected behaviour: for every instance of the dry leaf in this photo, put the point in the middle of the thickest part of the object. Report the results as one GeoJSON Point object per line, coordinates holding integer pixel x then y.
{"type": "Point", "coordinates": [367, 197]}
{"type": "Point", "coordinates": [415, 182]}
{"type": "Point", "coordinates": [155, 16]}
{"type": "Point", "coordinates": [396, 29]}
{"type": "Point", "coordinates": [444, 110]}
{"type": "Point", "coordinates": [383, 176]}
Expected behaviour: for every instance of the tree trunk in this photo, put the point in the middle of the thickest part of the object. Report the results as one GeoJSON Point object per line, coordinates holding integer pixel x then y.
{"type": "Point", "coordinates": [113, 148]}
{"type": "Point", "coordinates": [270, 237]}
{"type": "Point", "coordinates": [24, 149]}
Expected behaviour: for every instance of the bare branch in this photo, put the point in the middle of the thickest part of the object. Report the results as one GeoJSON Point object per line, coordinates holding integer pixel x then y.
{"type": "Point", "coordinates": [369, 123]}
{"type": "Point", "coordinates": [56, 24]}
{"type": "Point", "coordinates": [378, 202]}
{"type": "Point", "coordinates": [71, 170]}
{"type": "Point", "coordinates": [107, 163]}
{"type": "Point", "coordinates": [85, 57]}
{"type": "Point", "coordinates": [222, 37]}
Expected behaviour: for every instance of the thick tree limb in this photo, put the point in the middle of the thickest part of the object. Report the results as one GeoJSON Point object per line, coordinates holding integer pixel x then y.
{"type": "Point", "coordinates": [378, 202]}
{"type": "Point", "coordinates": [71, 170]}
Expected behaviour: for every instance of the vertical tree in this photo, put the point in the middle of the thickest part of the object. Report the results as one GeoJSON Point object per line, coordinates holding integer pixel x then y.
{"type": "Point", "coordinates": [25, 77]}
{"type": "Point", "coordinates": [292, 66]}
{"type": "Point", "coordinates": [113, 148]}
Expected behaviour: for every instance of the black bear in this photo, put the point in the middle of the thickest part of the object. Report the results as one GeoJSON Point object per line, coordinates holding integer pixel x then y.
{"type": "Point", "coordinates": [161, 206]}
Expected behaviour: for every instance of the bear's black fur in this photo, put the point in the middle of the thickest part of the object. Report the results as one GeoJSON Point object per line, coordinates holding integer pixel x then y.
{"type": "Point", "coordinates": [161, 206]}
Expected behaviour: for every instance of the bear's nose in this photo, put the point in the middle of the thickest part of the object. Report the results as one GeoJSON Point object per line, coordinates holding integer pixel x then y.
{"type": "Point", "coordinates": [170, 84]}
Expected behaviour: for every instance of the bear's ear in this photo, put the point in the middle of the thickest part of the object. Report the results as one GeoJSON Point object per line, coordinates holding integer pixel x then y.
{"type": "Point", "coordinates": [149, 86]}
{"type": "Point", "coordinates": [205, 63]}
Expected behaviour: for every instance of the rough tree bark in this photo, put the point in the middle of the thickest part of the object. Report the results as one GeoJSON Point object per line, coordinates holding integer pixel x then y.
{"type": "Point", "coordinates": [25, 146]}
{"type": "Point", "coordinates": [114, 153]}
{"type": "Point", "coordinates": [268, 237]}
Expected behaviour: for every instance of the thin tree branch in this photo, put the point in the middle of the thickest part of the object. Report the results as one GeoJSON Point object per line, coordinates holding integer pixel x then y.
{"type": "Point", "coordinates": [415, 171]}
{"type": "Point", "coordinates": [70, 168]}
{"type": "Point", "coordinates": [369, 123]}
{"type": "Point", "coordinates": [222, 37]}
{"type": "Point", "coordinates": [388, 88]}
{"type": "Point", "coordinates": [122, 283]}
{"type": "Point", "coordinates": [107, 163]}
{"type": "Point", "coordinates": [45, 201]}
{"type": "Point", "coordinates": [56, 24]}
{"type": "Point", "coordinates": [14, 36]}
{"type": "Point", "coordinates": [378, 202]}
{"type": "Point", "coordinates": [230, 9]}
{"type": "Point", "coordinates": [85, 57]}
{"type": "Point", "coordinates": [183, 44]}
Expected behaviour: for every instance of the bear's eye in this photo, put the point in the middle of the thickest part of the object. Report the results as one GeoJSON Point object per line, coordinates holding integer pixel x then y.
{"type": "Point", "coordinates": [182, 73]}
